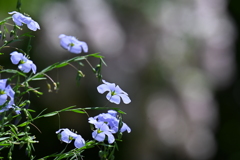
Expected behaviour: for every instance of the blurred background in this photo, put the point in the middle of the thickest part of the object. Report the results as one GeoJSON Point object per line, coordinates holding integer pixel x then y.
{"type": "Point", "coordinates": [177, 59]}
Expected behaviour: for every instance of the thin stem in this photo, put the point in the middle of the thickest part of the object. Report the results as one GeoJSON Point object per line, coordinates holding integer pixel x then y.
{"type": "Point", "coordinates": [73, 66]}
{"type": "Point", "coordinates": [89, 63]}
{"type": "Point", "coordinates": [54, 83]}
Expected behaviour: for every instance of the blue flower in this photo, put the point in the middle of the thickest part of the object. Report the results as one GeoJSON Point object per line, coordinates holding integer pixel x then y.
{"type": "Point", "coordinates": [102, 130]}
{"type": "Point", "coordinates": [67, 136]}
{"type": "Point", "coordinates": [107, 124]}
{"type": "Point", "coordinates": [112, 121]}
{"type": "Point", "coordinates": [3, 91]}
{"type": "Point", "coordinates": [6, 92]}
{"type": "Point", "coordinates": [114, 92]}
{"type": "Point", "coordinates": [73, 45]}
{"type": "Point", "coordinates": [19, 19]}
{"type": "Point", "coordinates": [25, 64]}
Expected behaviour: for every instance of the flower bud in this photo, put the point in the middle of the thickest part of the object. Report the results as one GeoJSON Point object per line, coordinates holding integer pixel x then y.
{"type": "Point", "coordinates": [12, 33]}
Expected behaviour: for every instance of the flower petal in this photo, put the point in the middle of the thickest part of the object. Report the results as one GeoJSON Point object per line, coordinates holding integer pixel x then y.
{"type": "Point", "coordinates": [16, 57]}
{"type": "Point", "coordinates": [3, 99]}
{"type": "Point", "coordinates": [33, 25]}
{"type": "Point", "coordinates": [79, 142]}
{"type": "Point", "coordinates": [3, 83]}
{"type": "Point", "coordinates": [98, 136]}
{"type": "Point", "coordinates": [111, 138]}
{"type": "Point", "coordinates": [103, 88]}
{"type": "Point", "coordinates": [114, 99]}
{"type": "Point", "coordinates": [125, 128]}
{"type": "Point", "coordinates": [125, 98]}
{"type": "Point", "coordinates": [84, 46]}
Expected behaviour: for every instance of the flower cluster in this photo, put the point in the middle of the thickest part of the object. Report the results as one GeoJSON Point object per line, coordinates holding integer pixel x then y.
{"type": "Point", "coordinates": [107, 124]}
{"type": "Point", "coordinates": [25, 64]}
{"type": "Point", "coordinates": [6, 92]}
{"type": "Point", "coordinates": [67, 136]}
{"type": "Point", "coordinates": [73, 45]}
{"type": "Point", "coordinates": [19, 19]}
{"type": "Point", "coordinates": [115, 93]}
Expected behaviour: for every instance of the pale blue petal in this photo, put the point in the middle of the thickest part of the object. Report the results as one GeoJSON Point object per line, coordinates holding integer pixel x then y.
{"type": "Point", "coordinates": [3, 99]}
{"type": "Point", "coordinates": [118, 90]}
{"type": "Point", "coordinates": [75, 49]}
{"type": "Point", "coordinates": [16, 57]}
{"type": "Point", "coordinates": [66, 135]}
{"type": "Point", "coordinates": [111, 138]}
{"type": "Point", "coordinates": [125, 98]}
{"type": "Point", "coordinates": [34, 68]}
{"type": "Point", "coordinates": [17, 19]}
{"type": "Point", "coordinates": [3, 84]}
{"type": "Point", "coordinates": [114, 99]}
{"type": "Point", "coordinates": [33, 25]}
{"type": "Point", "coordinates": [79, 142]}
{"type": "Point", "coordinates": [61, 36]}
{"type": "Point", "coordinates": [113, 113]}
{"type": "Point", "coordinates": [84, 46]}
{"type": "Point", "coordinates": [98, 136]}
{"type": "Point", "coordinates": [24, 67]}
{"type": "Point", "coordinates": [103, 88]}
{"type": "Point", "coordinates": [125, 128]}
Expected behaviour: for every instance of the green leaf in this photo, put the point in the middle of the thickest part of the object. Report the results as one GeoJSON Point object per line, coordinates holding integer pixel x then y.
{"type": "Point", "coordinates": [30, 110]}
{"type": "Point", "coordinates": [5, 144]}
{"type": "Point", "coordinates": [65, 109]}
{"type": "Point", "coordinates": [61, 65]}
{"type": "Point", "coordinates": [5, 20]}
{"type": "Point", "coordinates": [96, 55]}
{"type": "Point", "coordinates": [13, 71]}
{"type": "Point", "coordinates": [24, 124]}
{"type": "Point", "coordinates": [77, 110]}
{"type": "Point", "coordinates": [3, 138]}
{"type": "Point", "coordinates": [27, 34]}
{"type": "Point", "coordinates": [50, 114]}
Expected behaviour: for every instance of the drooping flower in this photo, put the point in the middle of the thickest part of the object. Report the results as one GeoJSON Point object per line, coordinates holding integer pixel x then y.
{"type": "Point", "coordinates": [19, 19]}
{"type": "Point", "coordinates": [67, 136]}
{"type": "Point", "coordinates": [6, 92]}
{"type": "Point", "coordinates": [115, 93]}
{"type": "Point", "coordinates": [73, 45]}
{"type": "Point", "coordinates": [102, 130]}
{"type": "Point", "coordinates": [25, 64]}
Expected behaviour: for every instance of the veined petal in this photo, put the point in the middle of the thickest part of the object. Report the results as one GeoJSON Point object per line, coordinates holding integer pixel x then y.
{"type": "Point", "coordinates": [114, 99]}
{"type": "Point", "coordinates": [33, 25]}
{"type": "Point", "coordinates": [17, 19]}
{"type": "Point", "coordinates": [3, 99]}
{"type": "Point", "coordinates": [98, 136]}
{"type": "Point", "coordinates": [84, 46]}
{"type": "Point", "coordinates": [125, 128]}
{"type": "Point", "coordinates": [3, 83]}
{"type": "Point", "coordinates": [103, 88]}
{"type": "Point", "coordinates": [125, 98]}
{"type": "Point", "coordinates": [24, 67]}
{"type": "Point", "coordinates": [79, 142]}
{"type": "Point", "coordinates": [75, 49]}
{"type": "Point", "coordinates": [16, 57]}
{"type": "Point", "coordinates": [66, 135]}
{"type": "Point", "coordinates": [34, 68]}
{"type": "Point", "coordinates": [118, 90]}
{"type": "Point", "coordinates": [111, 138]}
{"type": "Point", "coordinates": [113, 113]}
